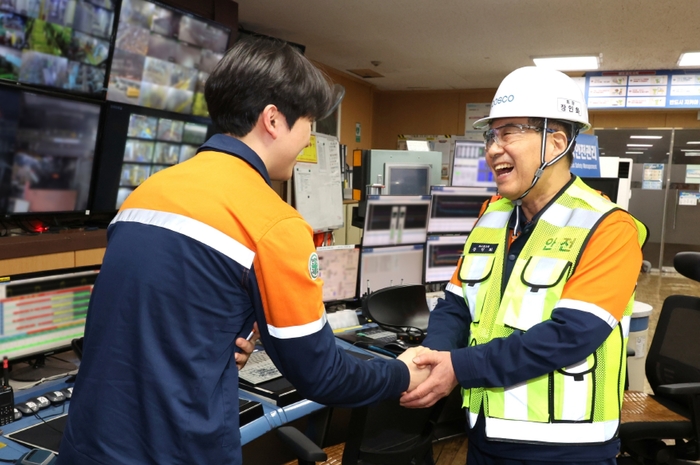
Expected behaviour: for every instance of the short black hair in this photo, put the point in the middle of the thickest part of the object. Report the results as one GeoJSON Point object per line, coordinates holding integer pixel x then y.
{"type": "Point", "coordinates": [565, 126]}
{"type": "Point", "coordinates": [257, 72]}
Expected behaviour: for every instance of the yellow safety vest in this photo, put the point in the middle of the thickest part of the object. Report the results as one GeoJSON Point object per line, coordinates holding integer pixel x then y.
{"type": "Point", "coordinates": [579, 404]}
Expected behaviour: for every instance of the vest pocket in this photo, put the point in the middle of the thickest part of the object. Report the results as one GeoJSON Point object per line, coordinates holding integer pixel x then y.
{"type": "Point", "coordinates": [532, 300]}
{"type": "Point", "coordinates": [573, 391]}
{"type": "Point", "coordinates": [475, 271]}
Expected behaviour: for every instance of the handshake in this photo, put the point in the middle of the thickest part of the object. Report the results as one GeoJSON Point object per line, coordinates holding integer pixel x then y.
{"type": "Point", "coordinates": [432, 376]}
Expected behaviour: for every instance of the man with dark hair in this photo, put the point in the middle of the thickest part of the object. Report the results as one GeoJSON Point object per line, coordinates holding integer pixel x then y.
{"type": "Point", "coordinates": [196, 255]}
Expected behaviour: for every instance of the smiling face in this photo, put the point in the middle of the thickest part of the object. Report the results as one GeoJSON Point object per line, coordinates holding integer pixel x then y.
{"type": "Point", "coordinates": [514, 166]}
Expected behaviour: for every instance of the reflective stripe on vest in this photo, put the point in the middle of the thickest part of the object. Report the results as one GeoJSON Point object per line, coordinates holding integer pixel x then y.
{"type": "Point", "coordinates": [584, 397]}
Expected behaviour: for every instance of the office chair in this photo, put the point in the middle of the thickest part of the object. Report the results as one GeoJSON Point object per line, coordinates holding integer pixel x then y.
{"type": "Point", "coordinates": [403, 309]}
{"type": "Point", "coordinates": [77, 346]}
{"type": "Point", "coordinates": [383, 434]}
{"type": "Point", "coordinates": [664, 428]}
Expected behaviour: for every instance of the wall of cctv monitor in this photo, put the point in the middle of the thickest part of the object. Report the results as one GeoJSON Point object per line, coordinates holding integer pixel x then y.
{"type": "Point", "coordinates": [47, 148]}
{"type": "Point", "coordinates": [469, 166]}
{"type": "Point", "coordinates": [382, 267]}
{"type": "Point", "coordinates": [140, 143]}
{"type": "Point", "coordinates": [442, 254]}
{"type": "Point", "coordinates": [456, 209]}
{"type": "Point", "coordinates": [394, 220]}
{"type": "Point", "coordinates": [61, 44]}
{"type": "Point", "coordinates": [163, 57]}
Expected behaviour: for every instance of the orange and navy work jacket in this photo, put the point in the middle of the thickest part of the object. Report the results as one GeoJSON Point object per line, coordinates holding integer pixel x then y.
{"type": "Point", "coordinates": [196, 254]}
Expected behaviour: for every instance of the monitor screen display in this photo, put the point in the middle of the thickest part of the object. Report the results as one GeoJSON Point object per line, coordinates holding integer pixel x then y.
{"type": "Point", "coordinates": [382, 267]}
{"type": "Point", "coordinates": [63, 44]}
{"type": "Point", "coordinates": [393, 220]}
{"type": "Point", "coordinates": [163, 56]}
{"type": "Point", "coordinates": [456, 209]}
{"type": "Point", "coordinates": [141, 142]}
{"type": "Point", "coordinates": [469, 166]}
{"type": "Point", "coordinates": [47, 145]}
{"type": "Point", "coordinates": [608, 186]}
{"type": "Point", "coordinates": [43, 312]}
{"type": "Point", "coordinates": [407, 179]}
{"type": "Point", "coordinates": [338, 267]}
{"type": "Point", "coordinates": [441, 256]}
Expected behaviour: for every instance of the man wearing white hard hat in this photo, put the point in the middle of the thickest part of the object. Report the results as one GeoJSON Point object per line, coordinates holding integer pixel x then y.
{"type": "Point", "coordinates": [535, 319]}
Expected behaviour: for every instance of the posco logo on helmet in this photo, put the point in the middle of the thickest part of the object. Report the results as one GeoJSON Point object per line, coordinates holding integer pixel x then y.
{"type": "Point", "coordinates": [502, 99]}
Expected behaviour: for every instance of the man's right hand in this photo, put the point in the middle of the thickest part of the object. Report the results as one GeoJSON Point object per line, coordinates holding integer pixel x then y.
{"type": "Point", "coordinates": [418, 373]}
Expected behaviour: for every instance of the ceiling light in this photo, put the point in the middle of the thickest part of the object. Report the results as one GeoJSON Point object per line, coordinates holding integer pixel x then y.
{"type": "Point", "coordinates": [581, 63]}
{"type": "Point", "coordinates": [634, 153]}
{"type": "Point", "coordinates": [692, 154]}
{"type": "Point", "coordinates": [693, 142]}
{"type": "Point", "coordinates": [689, 59]}
{"type": "Point", "coordinates": [689, 150]}
{"type": "Point", "coordinates": [646, 137]}
{"type": "Point", "coordinates": [640, 145]}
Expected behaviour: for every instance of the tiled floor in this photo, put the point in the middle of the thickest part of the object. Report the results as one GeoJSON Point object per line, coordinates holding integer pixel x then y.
{"type": "Point", "coordinates": [652, 288]}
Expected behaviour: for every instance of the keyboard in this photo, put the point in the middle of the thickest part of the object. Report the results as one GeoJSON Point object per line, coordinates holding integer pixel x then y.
{"type": "Point", "coordinates": [378, 334]}
{"type": "Point", "coordinates": [259, 369]}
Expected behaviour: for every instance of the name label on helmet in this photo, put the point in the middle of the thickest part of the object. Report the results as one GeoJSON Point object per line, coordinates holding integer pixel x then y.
{"type": "Point", "coordinates": [502, 99]}
{"type": "Point", "coordinates": [569, 106]}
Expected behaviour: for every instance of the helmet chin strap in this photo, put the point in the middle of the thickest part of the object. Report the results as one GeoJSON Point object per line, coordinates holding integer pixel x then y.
{"type": "Point", "coordinates": [540, 171]}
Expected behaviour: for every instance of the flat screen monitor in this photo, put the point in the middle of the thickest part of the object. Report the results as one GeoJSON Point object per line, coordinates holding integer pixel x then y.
{"type": "Point", "coordinates": [56, 43]}
{"type": "Point", "coordinates": [163, 57]}
{"type": "Point", "coordinates": [407, 179]}
{"type": "Point", "coordinates": [456, 209]}
{"type": "Point", "coordinates": [47, 146]}
{"type": "Point", "coordinates": [394, 220]}
{"type": "Point", "coordinates": [382, 267]}
{"type": "Point", "coordinates": [339, 268]}
{"type": "Point", "coordinates": [41, 314]}
{"type": "Point", "coordinates": [139, 143]}
{"type": "Point", "coordinates": [608, 186]}
{"type": "Point", "coordinates": [469, 166]}
{"type": "Point", "coordinates": [441, 256]}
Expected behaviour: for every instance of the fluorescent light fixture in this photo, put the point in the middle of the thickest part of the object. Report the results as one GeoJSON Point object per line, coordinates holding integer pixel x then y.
{"type": "Point", "coordinates": [579, 63]}
{"type": "Point", "coordinates": [640, 145]}
{"type": "Point", "coordinates": [634, 153]}
{"type": "Point", "coordinates": [693, 142]}
{"type": "Point", "coordinates": [689, 59]}
{"type": "Point", "coordinates": [692, 154]}
{"type": "Point", "coordinates": [646, 137]}
{"type": "Point", "coordinates": [690, 150]}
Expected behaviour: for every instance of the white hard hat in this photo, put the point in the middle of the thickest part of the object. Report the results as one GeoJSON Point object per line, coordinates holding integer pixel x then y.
{"type": "Point", "coordinates": [534, 92]}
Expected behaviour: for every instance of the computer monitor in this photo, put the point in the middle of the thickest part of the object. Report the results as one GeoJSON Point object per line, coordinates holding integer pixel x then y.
{"type": "Point", "coordinates": [47, 146]}
{"type": "Point", "coordinates": [408, 179]}
{"type": "Point", "coordinates": [441, 256]}
{"type": "Point", "coordinates": [139, 143]}
{"type": "Point", "coordinates": [163, 56]}
{"type": "Point", "coordinates": [59, 44]}
{"type": "Point", "coordinates": [339, 267]}
{"type": "Point", "coordinates": [41, 314]}
{"type": "Point", "coordinates": [382, 267]}
{"type": "Point", "coordinates": [469, 166]}
{"type": "Point", "coordinates": [608, 186]}
{"type": "Point", "coordinates": [456, 209]}
{"type": "Point", "coordinates": [394, 220]}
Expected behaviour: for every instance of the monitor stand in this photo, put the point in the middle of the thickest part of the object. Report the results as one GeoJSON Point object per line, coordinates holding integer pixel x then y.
{"type": "Point", "coordinates": [40, 368]}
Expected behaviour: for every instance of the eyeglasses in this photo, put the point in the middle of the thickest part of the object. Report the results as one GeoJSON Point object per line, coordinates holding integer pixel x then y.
{"type": "Point", "coordinates": [509, 133]}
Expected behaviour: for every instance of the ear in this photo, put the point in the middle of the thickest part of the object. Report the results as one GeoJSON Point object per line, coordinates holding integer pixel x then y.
{"type": "Point", "coordinates": [271, 120]}
{"type": "Point", "coordinates": [559, 142]}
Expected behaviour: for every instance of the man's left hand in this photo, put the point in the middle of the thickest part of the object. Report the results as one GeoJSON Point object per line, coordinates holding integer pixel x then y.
{"type": "Point", "coordinates": [246, 347]}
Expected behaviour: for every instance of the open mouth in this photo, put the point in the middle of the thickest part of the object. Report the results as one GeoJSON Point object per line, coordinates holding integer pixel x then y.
{"type": "Point", "coordinates": [502, 169]}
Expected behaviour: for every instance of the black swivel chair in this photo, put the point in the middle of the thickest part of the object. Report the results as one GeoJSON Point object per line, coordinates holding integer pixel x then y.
{"type": "Point", "coordinates": [383, 434]}
{"type": "Point", "coordinates": [664, 428]}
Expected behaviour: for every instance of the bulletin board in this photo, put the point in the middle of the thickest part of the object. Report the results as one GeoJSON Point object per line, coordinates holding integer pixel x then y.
{"type": "Point", "coordinates": [318, 190]}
